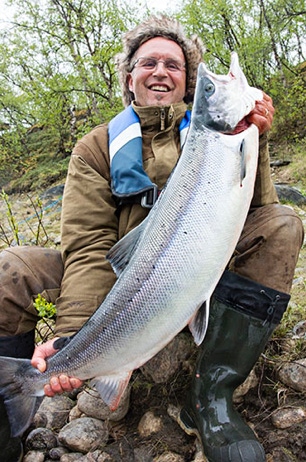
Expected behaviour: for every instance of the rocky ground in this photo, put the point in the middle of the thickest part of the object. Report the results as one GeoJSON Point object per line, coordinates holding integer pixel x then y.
{"type": "Point", "coordinates": [145, 429]}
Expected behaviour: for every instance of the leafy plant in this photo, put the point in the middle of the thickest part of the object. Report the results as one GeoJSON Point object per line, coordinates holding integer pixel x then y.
{"type": "Point", "coordinates": [46, 310]}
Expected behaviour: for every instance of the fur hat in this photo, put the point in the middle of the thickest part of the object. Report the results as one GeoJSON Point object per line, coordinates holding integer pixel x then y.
{"type": "Point", "coordinates": [162, 26]}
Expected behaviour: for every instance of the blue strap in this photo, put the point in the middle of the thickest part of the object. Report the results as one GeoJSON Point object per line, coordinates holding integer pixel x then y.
{"type": "Point", "coordinates": [125, 150]}
{"type": "Point", "coordinates": [184, 127]}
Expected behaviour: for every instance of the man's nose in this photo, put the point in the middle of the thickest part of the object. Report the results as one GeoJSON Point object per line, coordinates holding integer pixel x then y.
{"type": "Point", "coordinates": [160, 68]}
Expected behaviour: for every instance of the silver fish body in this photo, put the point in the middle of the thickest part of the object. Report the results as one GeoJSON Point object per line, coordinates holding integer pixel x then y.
{"type": "Point", "coordinates": [167, 267]}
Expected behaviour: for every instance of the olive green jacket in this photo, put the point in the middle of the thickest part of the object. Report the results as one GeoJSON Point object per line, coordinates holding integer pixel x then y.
{"type": "Point", "coordinates": [91, 222]}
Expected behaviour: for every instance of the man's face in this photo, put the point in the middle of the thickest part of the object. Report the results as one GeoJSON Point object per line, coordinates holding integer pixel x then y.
{"type": "Point", "coordinates": [164, 83]}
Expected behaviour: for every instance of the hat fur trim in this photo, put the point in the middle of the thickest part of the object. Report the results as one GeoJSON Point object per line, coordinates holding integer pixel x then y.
{"type": "Point", "coordinates": [152, 27]}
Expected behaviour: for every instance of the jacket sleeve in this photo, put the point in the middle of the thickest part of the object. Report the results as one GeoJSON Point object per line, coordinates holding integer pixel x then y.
{"type": "Point", "coordinates": [264, 190]}
{"type": "Point", "coordinates": [89, 228]}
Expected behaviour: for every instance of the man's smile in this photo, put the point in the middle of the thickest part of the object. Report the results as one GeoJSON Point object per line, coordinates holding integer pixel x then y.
{"type": "Point", "coordinates": [157, 87]}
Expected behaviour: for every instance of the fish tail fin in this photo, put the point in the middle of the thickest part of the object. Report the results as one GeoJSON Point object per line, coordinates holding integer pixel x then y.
{"type": "Point", "coordinates": [20, 404]}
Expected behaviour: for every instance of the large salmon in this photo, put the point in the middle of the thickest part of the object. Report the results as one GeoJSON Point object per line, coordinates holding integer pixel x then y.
{"type": "Point", "coordinates": [169, 265]}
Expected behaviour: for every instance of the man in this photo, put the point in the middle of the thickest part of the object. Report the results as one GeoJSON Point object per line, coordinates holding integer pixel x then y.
{"type": "Point", "coordinates": [157, 71]}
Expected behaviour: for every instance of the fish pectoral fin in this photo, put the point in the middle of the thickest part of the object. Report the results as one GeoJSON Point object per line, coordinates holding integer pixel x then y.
{"type": "Point", "coordinates": [111, 388]}
{"type": "Point", "coordinates": [242, 162]}
{"type": "Point", "coordinates": [120, 254]}
{"type": "Point", "coordinates": [198, 324]}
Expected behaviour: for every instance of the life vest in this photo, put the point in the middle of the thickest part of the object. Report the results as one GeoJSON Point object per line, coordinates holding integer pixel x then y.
{"type": "Point", "coordinates": [129, 181]}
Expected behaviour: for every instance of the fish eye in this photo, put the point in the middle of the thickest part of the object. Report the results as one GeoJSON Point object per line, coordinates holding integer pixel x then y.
{"type": "Point", "coordinates": [209, 87]}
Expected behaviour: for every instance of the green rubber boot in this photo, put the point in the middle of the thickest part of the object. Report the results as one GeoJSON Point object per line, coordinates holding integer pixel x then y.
{"type": "Point", "coordinates": [17, 346]}
{"type": "Point", "coordinates": [242, 318]}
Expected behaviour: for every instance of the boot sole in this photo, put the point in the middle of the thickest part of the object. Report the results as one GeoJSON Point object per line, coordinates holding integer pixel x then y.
{"type": "Point", "coordinates": [189, 427]}
{"type": "Point", "coordinates": [238, 451]}
{"type": "Point", "coordinates": [191, 431]}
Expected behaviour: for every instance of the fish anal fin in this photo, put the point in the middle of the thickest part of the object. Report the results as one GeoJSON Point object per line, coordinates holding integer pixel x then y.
{"type": "Point", "coordinates": [111, 389]}
{"type": "Point", "coordinates": [199, 322]}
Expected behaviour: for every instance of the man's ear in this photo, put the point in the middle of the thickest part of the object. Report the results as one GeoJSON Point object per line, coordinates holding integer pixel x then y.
{"type": "Point", "coordinates": [129, 81]}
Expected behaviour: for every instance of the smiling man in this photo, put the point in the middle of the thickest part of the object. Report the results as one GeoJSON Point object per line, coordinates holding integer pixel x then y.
{"type": "Point", "coordinates": [114, 176]}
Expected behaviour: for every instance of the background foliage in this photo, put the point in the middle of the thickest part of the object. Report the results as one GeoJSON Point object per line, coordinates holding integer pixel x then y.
{"type": "Point", "coordinates": [58, 76]}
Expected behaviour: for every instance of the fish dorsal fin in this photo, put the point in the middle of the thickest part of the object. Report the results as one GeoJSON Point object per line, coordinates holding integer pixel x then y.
{"type": "Point", "coordinates": [111, 388]}
{"type": "Point", "coordinates": [199, 322]}
{"type": "Point", "coordinates": [120, 254]}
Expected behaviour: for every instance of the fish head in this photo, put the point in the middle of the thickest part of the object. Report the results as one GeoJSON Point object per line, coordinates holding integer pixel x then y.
{"type": "Point", "coordinates": [221, 101]}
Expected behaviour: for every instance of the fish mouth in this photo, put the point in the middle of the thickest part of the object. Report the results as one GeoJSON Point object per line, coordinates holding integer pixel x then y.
{"type": "Point", "coordinates": [234, 72]}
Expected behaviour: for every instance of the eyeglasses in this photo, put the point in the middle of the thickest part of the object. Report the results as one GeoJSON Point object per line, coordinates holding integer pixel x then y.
{"type": "Point", "coordinates": [150, 64]}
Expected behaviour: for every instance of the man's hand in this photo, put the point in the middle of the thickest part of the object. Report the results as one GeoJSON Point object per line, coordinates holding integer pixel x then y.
{"type": "Point", "coordinates": [261, 116]}
{"type": "Point", "coordinates": [57, 384]}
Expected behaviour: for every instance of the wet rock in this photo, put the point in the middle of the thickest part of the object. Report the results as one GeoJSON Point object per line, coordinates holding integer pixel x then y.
{"type": "Point", "coordinates": [53, 412]}
{"type": "Point", "coordinates": [294, 374]}
{"type": "Point", "coordinates": [84, 434]}
{"type": "Point", "coordinates": [40, 420]}
{"type": "Point", "coordinates": [72, 457]}
{"type": "Point", "coordinates": [97, 456]}
{"type": "Point", "coordinates": [299, 330]}
{"type": "Point", "coordinates": [90, 404]}
{"type": "Point", "coordinates": [287, 416]}
{"type": "Point", "coordinates": [34, 456]}
{"type": "Point", "coordinates": [173, 412]}
{"type": "Point", "coordinates": [290, 194]}
{"type": "Point", "coordinates": [57, 453]}
{"type": "Point", "coordinates": [53, 192]}
{"type": "Point", "coordinates": [169, 457]}
{"type": "Point", "coordinates": [75, 413]}
{"type": "Point", "coordinates": [250, 382]}
{"type": "Point", "coordinates": [169, 360]}
{"type": "Point", "coordinates": [42, 439]}
{"type": "Point", "coordinates": [149, 424]}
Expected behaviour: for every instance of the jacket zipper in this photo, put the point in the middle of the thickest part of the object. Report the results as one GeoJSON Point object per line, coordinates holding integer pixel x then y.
{"type": "Point", "coordinates": [162, 119]}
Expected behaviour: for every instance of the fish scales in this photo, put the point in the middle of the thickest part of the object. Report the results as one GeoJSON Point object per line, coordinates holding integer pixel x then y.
{"type": "Point", "coordinates": [168, 266]}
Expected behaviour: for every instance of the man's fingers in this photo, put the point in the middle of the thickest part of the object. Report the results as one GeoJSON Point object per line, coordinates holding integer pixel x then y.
{"type": "Point", "coordinates": [40, 364]}
{"type": "Point", "coordinates": [61, 384]}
